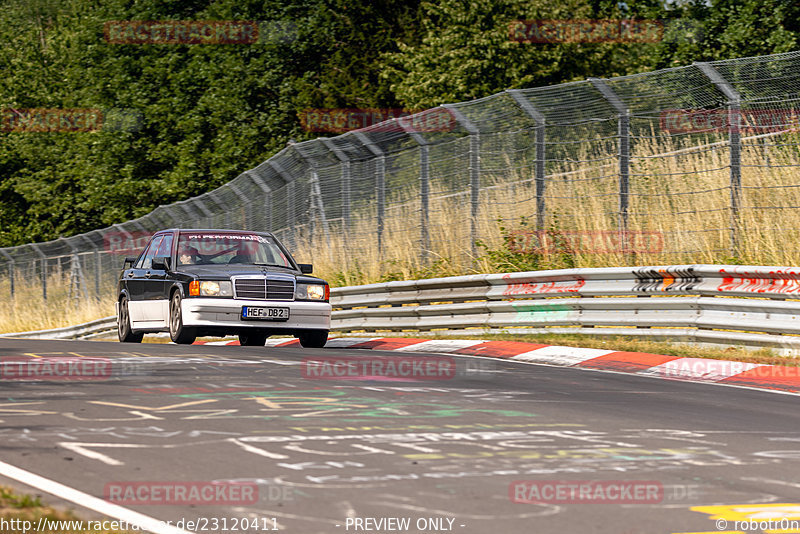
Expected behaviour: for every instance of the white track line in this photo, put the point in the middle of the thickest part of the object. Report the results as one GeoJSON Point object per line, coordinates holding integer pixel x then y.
{"type": "Point", "coordinates": [85, 500]}
{"type": "Point", "coordinates": [558, 355]}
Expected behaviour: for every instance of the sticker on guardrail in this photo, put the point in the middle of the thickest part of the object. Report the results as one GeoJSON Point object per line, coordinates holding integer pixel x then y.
{"type": "Point", "coordinates": [766, 282]}
{"type": "Point", "coordinates": [668, 279]}
{"type": "Point", "coordinates": [534, 288]}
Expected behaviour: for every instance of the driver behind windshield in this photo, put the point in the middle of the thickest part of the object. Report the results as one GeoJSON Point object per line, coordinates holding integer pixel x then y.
{"type": "Point", "coordinates": [188, 256]}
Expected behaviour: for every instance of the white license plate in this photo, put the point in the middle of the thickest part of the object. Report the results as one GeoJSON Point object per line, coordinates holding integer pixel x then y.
{"type": "Point", "coordinates": [265, 314]}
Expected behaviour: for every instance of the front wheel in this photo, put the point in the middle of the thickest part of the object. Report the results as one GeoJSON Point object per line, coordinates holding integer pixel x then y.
{"type": "Point", "coordinates": [124, 331]}
{"type": "Point", "coordinates": [313, 339]}
{"type": "Point", "coordinates": [179, 333]}
{"type": "Point", "coordinates": [252, 339]}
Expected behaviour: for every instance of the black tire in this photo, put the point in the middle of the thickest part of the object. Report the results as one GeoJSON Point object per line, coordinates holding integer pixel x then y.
{"type": "Point", "coordinates": [313, 339]}
{"type": "Point", "coordinates": [124, 331]}
{"type": "Point", "coordinates": [252, 339]}
{"type": "Point", "coordinates": [177, 332]}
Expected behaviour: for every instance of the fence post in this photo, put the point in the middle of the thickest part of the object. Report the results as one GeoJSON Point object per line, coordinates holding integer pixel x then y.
{"type": "Point", "coordinates": [315, 200]}
{"type": "Point", "coordinates": [380, 183]}
{"type": "Point", "coordinates": [44, 270]}
{"type": "Point", "coordinates": [291, 201]}
{"type": "Point", "coordinates": [10, 270]}
{"type": "Point", "coordinates": [346, 180]}
{"type": "Point", "coordinates": [624, 154]}
{"type": "Point", "coordinates": [267, 198]}
{"type": "Point", "coordinates": [735, 140]}
{"type": "Point", "coordinates": [177, 221]}
{"type": "Point", "coordinates": [541, 155]}
{"type": "Point", "coordinates": [424, 191]}
{"type": "Point", "coordinates": [474, 171]}
{"type": "Point", "coordinates": [184, 204]}
{"type": "Point", "coordinates": [242, 197]}
{"type": "Point", "coordinates": [96, 254]}
{"type": "Point", "coordinates": [202, 205]}
{"type": "Point", "coordinates": [223, 209]}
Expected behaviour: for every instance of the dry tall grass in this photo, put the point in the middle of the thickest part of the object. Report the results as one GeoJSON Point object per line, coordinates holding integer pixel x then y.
{"type": "Point", "coordinates": [29, 311]}
{"type": "Point", "coordinates": [682, 193]}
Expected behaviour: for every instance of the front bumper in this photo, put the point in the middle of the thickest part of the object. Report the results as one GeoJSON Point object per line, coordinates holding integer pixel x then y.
{"type": "Point", "coordinates": [227, 313]}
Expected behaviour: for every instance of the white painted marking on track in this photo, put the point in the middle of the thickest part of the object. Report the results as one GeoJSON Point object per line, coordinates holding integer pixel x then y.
{"type": "Point", "coordinates": [699, 369]}
{"type": "Point", "coordinates": [344, 342]}
{"type": "Point", "coordinates": [440, 345]}
{"type": "Point", "coordinates": [260, 452]}
{"type": "Point", "coordinates": [84, 500]}
{"type": "Point", "coordinates": [557, 355]}
{"type": "Point", "coordinates": [79, 448]}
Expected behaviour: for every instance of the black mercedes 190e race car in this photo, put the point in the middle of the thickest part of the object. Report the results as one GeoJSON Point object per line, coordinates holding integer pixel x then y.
{"type": "Point", "coordinates": [220, 282]}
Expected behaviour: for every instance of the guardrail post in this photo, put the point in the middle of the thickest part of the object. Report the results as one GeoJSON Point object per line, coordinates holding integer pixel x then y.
{"type": "Point", "coordinates": [541, 154]}
{"type": "Point", "coordinates": [10, 270]}
{"type": "Point", "coordinates": [380, 183]}
{"type": "Point", "coordinates": [44, 270]}
{"type": "Point", "coordinates": [735, 140]}
{"type": "Point", "coordinates": [624, 154]}
{"type": "Point", "coordinates": [474, 171]}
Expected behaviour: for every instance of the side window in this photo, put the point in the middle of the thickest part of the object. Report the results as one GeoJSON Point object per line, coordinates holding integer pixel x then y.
{"type": "Point", "coordinates": [165, 248]}
{"type": "Point", "coordinates": [146, 260]}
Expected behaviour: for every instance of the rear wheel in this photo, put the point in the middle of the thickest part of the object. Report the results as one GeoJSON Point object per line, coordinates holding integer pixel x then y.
{"type": "Point", "coordinates": [124, 331]}
{"type": "Point", "coordinates": [252, 339]}
{"type": "Point", "coordinates": [179, 333]}
{"type": "Point", "coordinates": [313, 339]}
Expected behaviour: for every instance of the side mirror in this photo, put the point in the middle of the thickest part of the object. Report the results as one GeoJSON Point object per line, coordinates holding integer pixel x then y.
{"type": "Point", "coordinates": [306, 268]}
{"type": "Point", "coordinates": [128, 262]}
{"type": "Point", "coordinates": [162, 263]}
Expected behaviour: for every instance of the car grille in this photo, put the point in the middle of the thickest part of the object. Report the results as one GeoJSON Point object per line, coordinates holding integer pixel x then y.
{"type": "Point", "coordinates": [264, 289]}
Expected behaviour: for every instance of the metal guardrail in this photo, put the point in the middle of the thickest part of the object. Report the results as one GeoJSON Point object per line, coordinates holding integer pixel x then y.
{"type": "Point", "coordinates": [736, 305]}
{"type": "Point", "coordinates": [722, 304]}
{"type": "Point", "coordinates": [88, 330]}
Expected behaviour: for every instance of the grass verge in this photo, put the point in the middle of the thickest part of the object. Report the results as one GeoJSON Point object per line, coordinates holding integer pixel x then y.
{"type": "Point", "coordinates": [21, 514]}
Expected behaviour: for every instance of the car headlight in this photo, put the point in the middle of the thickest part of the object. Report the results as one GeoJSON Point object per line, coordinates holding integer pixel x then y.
{"type": "Point", "coordinates": [312, 292]}
{"type": "Point", "coordinates": [210, 288]}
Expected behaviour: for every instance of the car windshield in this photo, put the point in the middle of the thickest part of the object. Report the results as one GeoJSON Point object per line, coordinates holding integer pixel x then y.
{"type": "Point", "coordinates": [215, 248]}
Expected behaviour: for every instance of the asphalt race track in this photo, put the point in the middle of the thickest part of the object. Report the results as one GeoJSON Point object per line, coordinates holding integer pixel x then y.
{"type": "Point", "coordinates": [447, 453]}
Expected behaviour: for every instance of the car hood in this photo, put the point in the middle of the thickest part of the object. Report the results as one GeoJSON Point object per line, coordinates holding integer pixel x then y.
{"type": "Point", "coordinates": [224, 271]}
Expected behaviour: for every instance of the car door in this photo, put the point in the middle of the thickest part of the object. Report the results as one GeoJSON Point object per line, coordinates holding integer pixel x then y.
{"type": "Point", "coordinates": [137, 297]}
{"type": "Point", "coordinates": [156, 284]}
